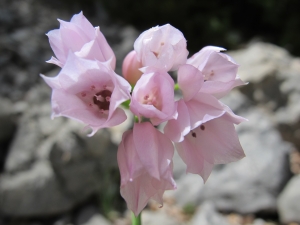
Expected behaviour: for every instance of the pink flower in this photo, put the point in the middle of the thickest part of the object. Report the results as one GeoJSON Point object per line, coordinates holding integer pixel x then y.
{"type": "Point", "coordinates": [153, 96]}
{"type": "Point", "coordinates": [80, 37]}
{"type": "Point", "coordinates": [195, 108]}
{"type": "Point", "coordinates": [213, 142]}
{"type": "Point", "coordinates": [145, 163]}
{"type": "Point", "coordinates": [163, 47]}
{"type": "Point", "coordinates": [90, 92]}
{"type": "Point", "coordinates": [130, 68]}
{"type": "Point", "coordinates": [219, 70]}
{"type": "Point", "coordinates": [204, 129]}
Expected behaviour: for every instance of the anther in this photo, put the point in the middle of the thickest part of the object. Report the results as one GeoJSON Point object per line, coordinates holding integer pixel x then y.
{"type": "Point", "coordinates": [156, 54]}
{"type": "Point", "coordinates": [194, 134]}
{"type": "Point", "coordinates": [107, 98]}
{"type": "Point", "coordinates": [99, 98]}
{"type": "Point", "coordinates": [202, 127]}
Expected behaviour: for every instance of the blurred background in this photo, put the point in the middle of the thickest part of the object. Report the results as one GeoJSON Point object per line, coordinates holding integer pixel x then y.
{"type": "Point", "coordinates": [52, 174]}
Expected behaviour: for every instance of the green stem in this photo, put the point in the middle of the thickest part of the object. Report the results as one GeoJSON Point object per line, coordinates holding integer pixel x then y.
{"type": "Point", "coordinates": [176, 87]}
{"type": "Point", "coordinates": [136, 220]}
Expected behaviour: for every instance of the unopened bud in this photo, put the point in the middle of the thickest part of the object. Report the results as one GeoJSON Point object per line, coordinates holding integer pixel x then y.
{"type": "Point", "coordinates": [131, 68]}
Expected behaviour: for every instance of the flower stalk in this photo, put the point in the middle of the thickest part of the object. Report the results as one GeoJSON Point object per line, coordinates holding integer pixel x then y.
{"type": "Point", "coordinates": [136, 220]}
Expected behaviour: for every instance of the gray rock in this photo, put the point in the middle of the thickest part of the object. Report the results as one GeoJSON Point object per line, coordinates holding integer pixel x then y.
{"type": "Point", "coordinates": [97, 219]}
{"type": "Point", "coordinates": [85, 214]}
{"type": "Point", "coordinates": [158, 217]}
{"type": "Point", "coordinates": [7, 122]}
{"type": "Point", "coordinates": [8, 127]}
{"type": "Point", "coordinates": [260, 60]}
{"type": "Point", "coordinates": [208, 215]}
{"type": "Point", "coordinates": [273, 77]}
{"type": "Point", "coordinates": [289, 202]}
{"type": "Point", "coordinates": [34, 192]}
{"type": "Point", "coordinates": [64, 220]}
{"type": "Point", "coordinates": [189, 187]}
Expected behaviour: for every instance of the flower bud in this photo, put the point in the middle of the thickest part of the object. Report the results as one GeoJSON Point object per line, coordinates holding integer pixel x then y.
{"type": "Point", "coordinates": [130, 68]}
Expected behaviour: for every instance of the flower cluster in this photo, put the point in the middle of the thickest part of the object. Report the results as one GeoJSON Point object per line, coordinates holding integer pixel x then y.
{"type": "Point", "coordinates": [201, 127]}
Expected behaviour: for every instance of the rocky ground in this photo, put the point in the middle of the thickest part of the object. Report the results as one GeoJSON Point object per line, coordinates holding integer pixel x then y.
{"type": "Point", "coordinates": [51, 173]}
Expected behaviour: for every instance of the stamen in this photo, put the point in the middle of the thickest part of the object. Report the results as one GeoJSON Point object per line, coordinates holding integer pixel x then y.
{"type": "Point", "coordinates": [156, 54]}
{"type": "Point", "coordinates": [194, 134]}
{"type": "Point", "coordinates": [99, 98]}
{"type": "Point", "coordinates": [202, 127]}
{"type": "Point", "coordinates": [102, 100]}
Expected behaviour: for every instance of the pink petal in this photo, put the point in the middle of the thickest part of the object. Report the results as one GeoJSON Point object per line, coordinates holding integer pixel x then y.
{"type": "Point", "coordinates": [222, 141]}
{"type": "Point", "coordinates": [130, 68]}
{"type": "Point", "coordinates": [214, 142]}
{"type": "Point", "coordinates": [219, 89]}
{"type": "Point", "coordinates": [163, 47]}
{"type": "Point", "coordinates": [57, 45]}
{"type": "Point", "coordinates": [200, 58]}
{"type": "Point", "coordinates": [233, 117]}
{"type": "Point", "coordinates": [220, 67]}
{"type": "Point", "coordinates": [118, 116]}
{"type": "Point", "coordinates": [137, 185]}
{"type": "Point", "coordinates": [106, 50]}
{"type": "Point", "coordinates": [177, 129]}
{"type": "Point", "coordinates": [190, 81]}
{"type": "Point", "coordinates": [98, 49]}
{"type": "Point", "coordinates": [81, 21]}
{"type": "Point", "coordinates": [128, 159]}
{"type": "Point", "coordinates": [80, 74]}
{"type": "Point", "coordinates": [202, 108]}
{"type": "Point", "coordinates": [73, 37]}
{"type": "Point", "coordinates": [194, 159]}
{"type": "Point", "coordinates": [155, 150]}
{"type": "Point", "coordinates": [53, 82]}
{"type": "Point", "coordinates": [55, 61]}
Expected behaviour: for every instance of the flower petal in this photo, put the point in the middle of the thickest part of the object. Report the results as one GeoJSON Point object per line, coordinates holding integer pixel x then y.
{"type": "Point", "coordinates": [190, 81]}
{"type": "Point", "coordinates": [219, 89]}
{"type": "Point", "coordinates": [155, 150]}
{"type": "Point", "coordinates": [177, 129]}
{"type": "Point", "coordinates": [202, 108]}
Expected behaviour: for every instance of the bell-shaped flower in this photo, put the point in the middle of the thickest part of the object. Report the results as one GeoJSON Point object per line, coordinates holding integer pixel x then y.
{"type": "Point", "coordinates": [163, 47]}
{"type": "Point", "coordinates": [219, 70]}
{"type": "Point", "coordinates": [81, 38]}
{"type": "Point", "coordinates": [89, 91]}
{"type": "Point", "coordinates": [195, 108]}
{"type": "Point", "coordinates": [153, 96]}
{"type": "Point", "coordinates": [145, 162]}
{"type": "Point", "coordinates": [130, 68]}
{"type": "Point", "coordinates": [213, 142]}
